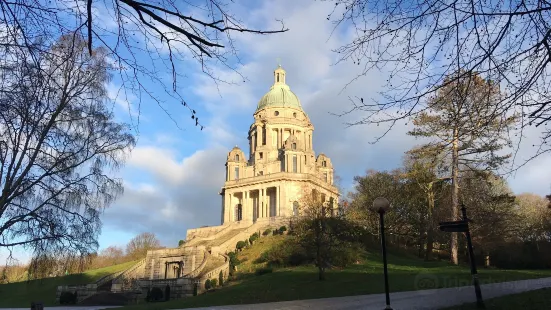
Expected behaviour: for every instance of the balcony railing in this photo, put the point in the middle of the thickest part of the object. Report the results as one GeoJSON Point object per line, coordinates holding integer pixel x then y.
{"type": "Point", "coordinates": [279, 175]}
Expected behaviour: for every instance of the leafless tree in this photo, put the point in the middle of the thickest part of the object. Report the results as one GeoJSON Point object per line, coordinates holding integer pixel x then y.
{"type": "Point", "coordinates": [58, 144]}
{"type": "Point", "coordinates": [145, 40]}
{"type": "Point", "coordinates": [422, 43]}
{"type": "Point", "coordinates": [139, 245]}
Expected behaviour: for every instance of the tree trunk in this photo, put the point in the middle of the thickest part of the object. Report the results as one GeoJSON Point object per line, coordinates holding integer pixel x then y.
{"type": "Point", "coordinates": [455, 194]}
{"type": "Point", "coordinates": [321, 270]}
{"type": "Point", "coordinates": [430, 228]}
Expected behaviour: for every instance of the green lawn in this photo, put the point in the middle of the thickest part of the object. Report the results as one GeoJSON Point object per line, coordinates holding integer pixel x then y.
{"type": "Point", "coordinates": [366, 278]}
{"type": "Point", "coordinates": [532, 300]}
{"type": "Point", "coordinates": [21, 294]}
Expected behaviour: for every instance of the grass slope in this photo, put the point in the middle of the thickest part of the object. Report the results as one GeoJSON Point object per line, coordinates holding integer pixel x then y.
{"type": "Point", "coordinates": [365, 278]}
{"type": "Point", "coordinates": [21, 294]}
{"type": "Point", "coordinates": [532, 300]}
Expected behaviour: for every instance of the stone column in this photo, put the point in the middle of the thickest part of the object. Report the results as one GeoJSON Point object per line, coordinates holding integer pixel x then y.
{"type": "Point", "coordinates": [152, 274]}
{"type": "Point", "coordinates": [263, 206]}
{"type": "Point", "coordinates": [277, 204]}
{"type": "Point", "coordinates": [246, 206]}
{"type": "Point", "coordinates": [281, 139]}
{"type": "Point", "coordinates": [230, 207]}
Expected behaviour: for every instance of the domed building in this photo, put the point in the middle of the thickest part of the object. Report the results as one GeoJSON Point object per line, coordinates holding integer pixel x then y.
{"type": "Point", "coordinates": [282, 165]}
{"type": "Point", "coordinates": [261, 191]}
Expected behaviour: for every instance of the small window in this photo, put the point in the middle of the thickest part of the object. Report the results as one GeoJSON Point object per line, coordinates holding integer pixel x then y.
{"type": "Point", "coordinates": [295, 114]}
{"type": "Point", "coordinates": [260, 155]}
{"type": "Point", "coordinates": [236, 157]}
{"type": "Point", "coordinates": [278, 77]}
{"type": "Point", "coordinates": [261, 173]}
{"type": "Point", "coordinates": [324, 163]}
{"type": "Point", "coordinates": [276, 113]}
{"type": "Point", "coordinates": [294, 146]}
{"type": "Point", "coordinates": [236, 173]}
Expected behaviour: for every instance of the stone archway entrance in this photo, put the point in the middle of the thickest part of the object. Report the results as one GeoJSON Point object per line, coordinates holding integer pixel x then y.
{"type": "Point", "coordinates": [173, 269]}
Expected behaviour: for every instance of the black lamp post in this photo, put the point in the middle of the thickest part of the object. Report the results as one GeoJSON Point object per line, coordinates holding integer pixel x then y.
{"type": "Point", "coordinates": [381, 205]}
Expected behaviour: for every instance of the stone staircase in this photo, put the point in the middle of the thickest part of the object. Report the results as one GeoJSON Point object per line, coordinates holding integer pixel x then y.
{"type": "Point", "coordinates": [204, 258]}
{"type": "Point", "coordinates": [126, 280]}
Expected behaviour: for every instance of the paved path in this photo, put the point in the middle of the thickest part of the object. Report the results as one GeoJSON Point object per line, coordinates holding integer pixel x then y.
{"type": "Point", "coordinates": [413, 300]}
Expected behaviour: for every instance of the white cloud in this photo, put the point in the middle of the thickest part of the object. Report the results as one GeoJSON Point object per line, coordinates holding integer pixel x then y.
{"type": "Point", "coordinates": [183, 192]}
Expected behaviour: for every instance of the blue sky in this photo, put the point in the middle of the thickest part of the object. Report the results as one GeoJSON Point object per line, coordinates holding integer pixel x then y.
{"type": "Point", "coordinates": [173, 176]}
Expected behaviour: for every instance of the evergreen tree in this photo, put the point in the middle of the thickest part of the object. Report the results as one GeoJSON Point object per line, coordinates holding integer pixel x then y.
{"type": "Point", "coordinates": [468, 127]}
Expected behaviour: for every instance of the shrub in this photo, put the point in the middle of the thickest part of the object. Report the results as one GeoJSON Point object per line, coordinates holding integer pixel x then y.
{"type": "Point", "coordinates": [298, 258]}
{"type": "Point", "coordinates": [221, 278]}
{"type": "Point", "coordinates": [345, 255]}
{"type": "Point", "coordinates": [262, 258]}
{"type": "Point", "coordinates": [284, 254]}
{"type": "Point", "coordinates": [240, 245]}
{"type": "Point", "coordinates": [261, 271]}
{"type": "Point", "coordinates": [213, 283]}
{"type": "Point", "coordinates": [267, 232]}
{"type": "Point", "coordinates": [282, 229]}
{"type": "Point", "coordinates": [181, 242]}
{"type": "Point", "coordinates": [253, 238]}
{"type": "Point", "coordinates": [275, 232]}
{"type": "Point", "coordinates": [67, 298]}
{"type": "Point", "coordinates": [208, 285]}
{"type": "Point", "coordinates": [156, 294]}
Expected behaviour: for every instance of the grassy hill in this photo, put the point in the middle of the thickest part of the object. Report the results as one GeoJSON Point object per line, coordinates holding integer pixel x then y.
{"type": "Point", "coordinates": [364, 278]}
{"type": "Point", "coordinates": [21, 294]}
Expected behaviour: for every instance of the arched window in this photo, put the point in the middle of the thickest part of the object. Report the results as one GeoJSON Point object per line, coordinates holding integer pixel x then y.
{"type": "Point", "coordinates": [236, 157]}
{"type": "Point", "coordinates": [295, 208]}
{"type": "Point", "coordinates": [277, 77]}
{"type": "Point", "coordinates": [294, 146]}
{"type": "Point", "coordinates": [324, 163]}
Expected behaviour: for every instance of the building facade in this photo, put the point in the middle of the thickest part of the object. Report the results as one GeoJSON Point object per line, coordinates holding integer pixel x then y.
{"type": "Point", "coordinates": [282, 165]}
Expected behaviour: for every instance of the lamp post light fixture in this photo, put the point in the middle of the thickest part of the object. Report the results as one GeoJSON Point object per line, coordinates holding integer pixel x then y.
{"type": "Point", "coordinates": [381, 205]}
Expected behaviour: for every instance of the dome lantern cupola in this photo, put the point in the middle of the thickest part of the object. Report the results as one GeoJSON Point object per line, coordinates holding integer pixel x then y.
{"type": "Point", "coordinates": [279, 75]}
{"type": "Point", "coordinates": [280, 95]}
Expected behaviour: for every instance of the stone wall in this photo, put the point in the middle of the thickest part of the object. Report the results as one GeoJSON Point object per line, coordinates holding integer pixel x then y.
{"type": "Point", "coordinates": [259, 226]}
{"type": "Point", "coordinates": [154, 265]}
{"type": "Point", "coordinates": [214, 274]}
{"type": "Point", "coordinates": [203, 232]}
{"type": "Point", "coordinates": [83, 291]}
{"type": "Point", "coordinates": [179, 288]}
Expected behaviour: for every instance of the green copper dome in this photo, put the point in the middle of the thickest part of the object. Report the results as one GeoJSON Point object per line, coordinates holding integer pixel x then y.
{"type": "Point", "coordinates": [280, 95]}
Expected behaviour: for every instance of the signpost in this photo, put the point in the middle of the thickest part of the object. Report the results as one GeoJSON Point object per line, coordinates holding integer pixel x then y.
{"type": "Point", "coordinates": [463, 226]}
